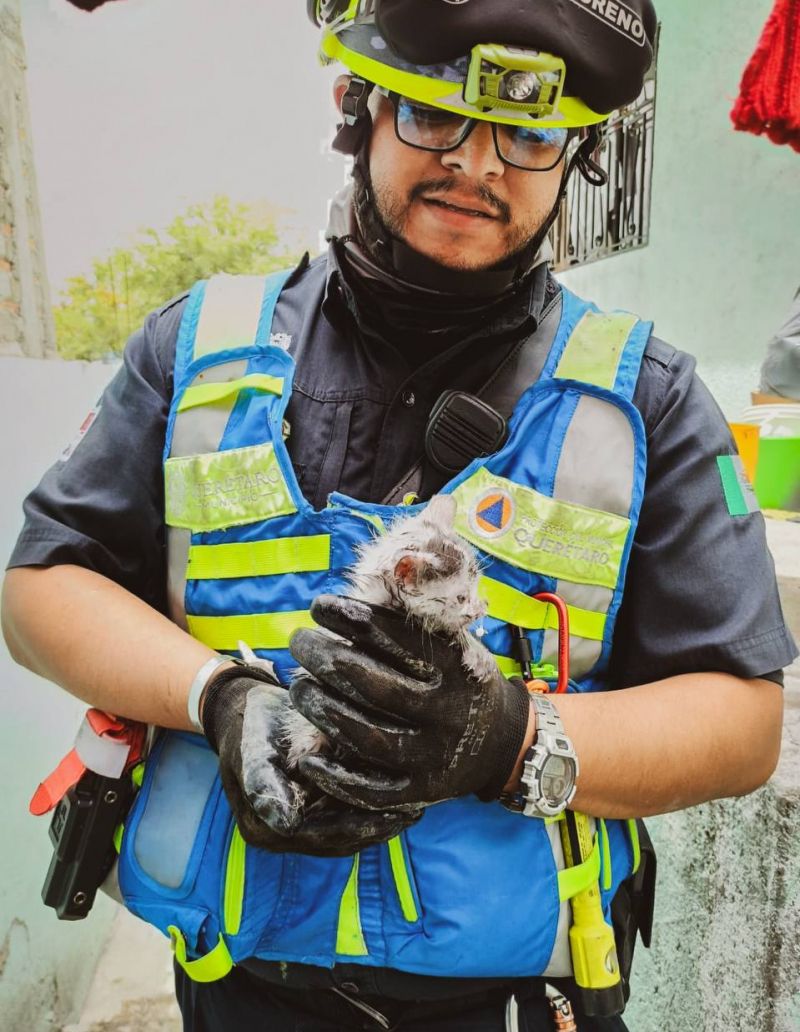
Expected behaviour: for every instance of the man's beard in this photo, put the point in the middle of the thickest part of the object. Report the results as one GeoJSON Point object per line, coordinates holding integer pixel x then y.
{"type": "Point", "coordinates": [395, 211]}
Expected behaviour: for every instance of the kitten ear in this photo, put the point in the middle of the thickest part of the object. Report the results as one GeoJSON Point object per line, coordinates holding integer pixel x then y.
{"type": "Point", "coordinates": [441, 511]}
{"type": "Point", "coordinates": [411, 570]}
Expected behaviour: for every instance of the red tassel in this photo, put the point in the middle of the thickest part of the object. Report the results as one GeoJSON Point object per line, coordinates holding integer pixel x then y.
{"type": "Point", "coordinates": [769, 95]}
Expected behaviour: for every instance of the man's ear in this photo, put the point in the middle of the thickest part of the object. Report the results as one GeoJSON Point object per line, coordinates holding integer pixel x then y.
{"type": "Point", "coordinates": [339, 90]}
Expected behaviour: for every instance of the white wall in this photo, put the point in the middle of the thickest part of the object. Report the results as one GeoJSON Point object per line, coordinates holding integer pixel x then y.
{"type": "Point", "coordinates": [45, 964]}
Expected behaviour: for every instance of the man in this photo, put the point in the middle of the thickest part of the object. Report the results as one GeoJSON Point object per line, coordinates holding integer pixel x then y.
{"type": "Point", "coordinates": [397, 912]}
{"type": "Point", "coordinates": [780, 370]}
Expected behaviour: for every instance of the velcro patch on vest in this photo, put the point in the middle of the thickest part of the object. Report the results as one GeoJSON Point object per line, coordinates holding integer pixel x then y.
{"type": "Point", "coordinates": [534, 532]}
{"type": "Point", "coordinates": [225, 489]}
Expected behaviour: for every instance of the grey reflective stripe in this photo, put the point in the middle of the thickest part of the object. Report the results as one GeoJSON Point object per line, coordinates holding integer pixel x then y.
{"type": "Point", "coordinates": [596, 467]}
{"type": "Point", "coordinates": [229, 318]}
{"type": "Point", "coordinates": [584, 652]}
{"type": "Point", "coordinates": [230, 314]}
{"type": "Point", "coordinates": [178, 541]}
{"type": "Point", "coordinates": [560, 963]}
{"type": "Point", "coordinates": [596, 463]}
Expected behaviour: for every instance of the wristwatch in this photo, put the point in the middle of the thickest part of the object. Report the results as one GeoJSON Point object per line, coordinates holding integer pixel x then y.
{"type": "Point", "coordinates": [550, 770]}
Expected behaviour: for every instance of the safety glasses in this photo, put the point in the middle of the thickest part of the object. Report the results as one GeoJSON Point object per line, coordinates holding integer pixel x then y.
{"type": "Point", "coordinates": [531, 148]}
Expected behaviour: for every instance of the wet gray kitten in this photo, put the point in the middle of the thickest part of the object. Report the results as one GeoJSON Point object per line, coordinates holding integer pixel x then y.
{"type": "Point", "coordinates": [420, 566]}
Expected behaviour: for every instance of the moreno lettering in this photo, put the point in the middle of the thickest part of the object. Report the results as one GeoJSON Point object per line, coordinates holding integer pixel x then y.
{"type": "Point", "coordinates": [618, 16]}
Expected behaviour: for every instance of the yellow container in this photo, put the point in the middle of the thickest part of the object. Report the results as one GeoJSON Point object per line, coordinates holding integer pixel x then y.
{"type": "Point", "coordinates": [746, 437]}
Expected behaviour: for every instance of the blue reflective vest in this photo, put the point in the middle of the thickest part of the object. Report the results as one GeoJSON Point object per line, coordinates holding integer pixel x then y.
{"type": "Point", "coordinates": [472, 890]}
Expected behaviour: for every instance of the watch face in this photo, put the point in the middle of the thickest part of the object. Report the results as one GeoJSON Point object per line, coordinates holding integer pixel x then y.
{"type": "Point", "coordinates": [557, 778]}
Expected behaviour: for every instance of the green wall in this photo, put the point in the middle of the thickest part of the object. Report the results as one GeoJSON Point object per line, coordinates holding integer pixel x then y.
{"type": "Point", "coordinates": [724, 255]}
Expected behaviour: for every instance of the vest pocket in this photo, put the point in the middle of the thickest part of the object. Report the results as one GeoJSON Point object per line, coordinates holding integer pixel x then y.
{"type": "Point", "coordinates": [173, 814]}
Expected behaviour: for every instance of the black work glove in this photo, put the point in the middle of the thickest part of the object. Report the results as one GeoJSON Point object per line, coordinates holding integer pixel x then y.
{"type": "Point", "coordinates": [243, 718]}
{"type": "Point", "coordinates": [401, 701]}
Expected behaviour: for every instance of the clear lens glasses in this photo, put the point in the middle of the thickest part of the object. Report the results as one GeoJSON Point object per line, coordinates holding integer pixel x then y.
{"type": "Point", "coordinates": [429, 128]}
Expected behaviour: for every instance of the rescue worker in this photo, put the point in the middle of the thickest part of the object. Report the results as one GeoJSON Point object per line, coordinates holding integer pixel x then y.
{"type": "Point", "coordinates": [256, 434]}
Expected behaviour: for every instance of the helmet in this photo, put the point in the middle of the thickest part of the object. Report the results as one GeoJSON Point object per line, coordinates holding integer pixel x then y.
{"type": "Point", "coordinates": [561, 63]}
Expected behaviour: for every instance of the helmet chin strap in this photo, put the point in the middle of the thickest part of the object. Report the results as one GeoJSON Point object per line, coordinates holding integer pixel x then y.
{"type": "Point", "coordinates": [393, 261]}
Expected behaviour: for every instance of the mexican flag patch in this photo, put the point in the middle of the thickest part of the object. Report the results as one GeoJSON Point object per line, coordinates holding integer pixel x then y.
{"type": "Point", "coordinates": [739, 494]}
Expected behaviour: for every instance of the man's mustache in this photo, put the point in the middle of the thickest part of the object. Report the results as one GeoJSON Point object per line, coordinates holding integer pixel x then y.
{"type": "Point", "coordinates": [448, 183]}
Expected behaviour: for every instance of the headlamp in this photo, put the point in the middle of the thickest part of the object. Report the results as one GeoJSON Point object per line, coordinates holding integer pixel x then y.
{"type": "Point", "coordinates": [513, 79]}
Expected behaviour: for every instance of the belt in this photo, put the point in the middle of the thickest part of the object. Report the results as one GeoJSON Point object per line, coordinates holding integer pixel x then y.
{"type": "Point", "coordinates": [375, 1014]}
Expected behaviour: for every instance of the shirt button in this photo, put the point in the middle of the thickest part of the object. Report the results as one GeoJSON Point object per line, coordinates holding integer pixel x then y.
{"type": "Point", "coordinates": [408, 399]}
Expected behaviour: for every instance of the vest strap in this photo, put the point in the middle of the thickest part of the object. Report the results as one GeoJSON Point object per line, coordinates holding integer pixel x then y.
{"type": "Point", "coordinates": [595, 347]}
{"type": "Point", "coordinates": [260, 558]}
{"type": "Point", "coordinates": [581, 877]}
{"type": "Point", "coordinates": [269, 631]}
{"type": "Point", "coordinates": [213, 393]}
{"type": "Point", "coordinates": [210, 967]}
{"type": "Point", "coordinates": [515, 607]}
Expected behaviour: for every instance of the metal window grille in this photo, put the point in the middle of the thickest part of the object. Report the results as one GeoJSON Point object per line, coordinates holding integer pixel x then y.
{"type": "Point", "coordinates": [598, 221]}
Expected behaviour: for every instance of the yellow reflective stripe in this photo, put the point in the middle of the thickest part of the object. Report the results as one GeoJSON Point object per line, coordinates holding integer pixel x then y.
{"type": "Point", "coordinates": [605, 848]}
{"type": "Point", "coordinates": [137, 774]}
{"type": "Point", "coordinates": [535, 532]}
{"type": "Point", "coordinates": [573, 880]}
{"type": "Point", "coordinates": [259, 630]}
{"type": "Point", "coordinates": [119, 831]}
{"type": "Point", "coordinates": [508, 667]}
{"type": "Point", "coordinates": [217, 490]}
{"type": "Point", "coordinates": [349, 937]}
{"type": "Point", "coordinates": [594, 349]}
{"type": "Point", "coordinates": [515, 607]}
{"type": "Point", "coordinates": [633, 832]}
{"type": "Point", "coordinates": [233, 900]}
{"type": "Point", "coordinates": [213, 393]}
{"type": "Point", "coordinates": [402, 881]}
{"type": "Point", "coordinates": [209, 968]}
{"type": "Point", "coordinates": [259, 558]}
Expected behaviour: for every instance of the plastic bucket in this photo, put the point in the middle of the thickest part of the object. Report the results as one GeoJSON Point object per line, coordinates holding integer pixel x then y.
{"type": "Point", "coordinates": [777, 482]}
{"type": "Point", "coordinates": [746, 437]}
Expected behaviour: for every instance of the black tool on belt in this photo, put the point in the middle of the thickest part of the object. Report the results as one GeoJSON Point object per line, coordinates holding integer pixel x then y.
{"type": "Point", "coordinates": [82, 832]}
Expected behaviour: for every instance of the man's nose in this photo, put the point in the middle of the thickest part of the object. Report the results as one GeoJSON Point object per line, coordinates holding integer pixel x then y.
{"type": "Point", "coordinates": [477, 157]}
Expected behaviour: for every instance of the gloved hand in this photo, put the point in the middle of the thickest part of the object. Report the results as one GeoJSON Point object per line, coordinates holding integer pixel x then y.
{"type": "Point", "coordinates": [401, 701]}
{"type": "Point", "coordinates": [243, 715]}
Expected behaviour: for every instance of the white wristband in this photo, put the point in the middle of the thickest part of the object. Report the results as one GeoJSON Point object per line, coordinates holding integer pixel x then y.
{"type": "Point", "coordinates": [202, 677]}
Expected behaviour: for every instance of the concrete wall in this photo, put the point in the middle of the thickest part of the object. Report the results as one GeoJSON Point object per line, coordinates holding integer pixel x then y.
{"type": "Point", "coordinates": [726, 946]}
{"type": "Point", "coordinates": [45, 965]}
{"type": "Point", "coordinates": [26, 322]}
{"type": "Point", "coordinates": [724, 256]}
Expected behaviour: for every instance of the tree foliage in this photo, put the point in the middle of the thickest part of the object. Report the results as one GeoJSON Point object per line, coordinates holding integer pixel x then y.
{"type": "Point", "coordinates": [98, 312]}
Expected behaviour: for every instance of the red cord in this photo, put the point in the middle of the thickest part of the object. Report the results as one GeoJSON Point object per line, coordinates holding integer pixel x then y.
{"type": "Point", "coordinates": [560, 605]}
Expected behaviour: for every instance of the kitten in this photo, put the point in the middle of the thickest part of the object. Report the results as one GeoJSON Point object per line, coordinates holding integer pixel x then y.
{"type": "Point", "coordinates": [421, 567]}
